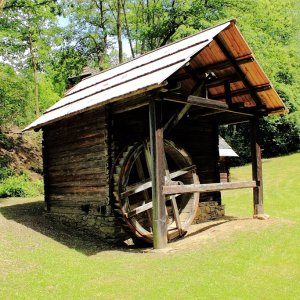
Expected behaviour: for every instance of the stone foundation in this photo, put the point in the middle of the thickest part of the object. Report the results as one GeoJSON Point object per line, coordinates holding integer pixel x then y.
{"type": "Point", "coordinates": [209, 210]}
{"type": "Point", "coordinates": [104, 227]}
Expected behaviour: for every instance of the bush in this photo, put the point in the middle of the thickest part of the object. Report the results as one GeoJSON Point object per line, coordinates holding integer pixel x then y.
{"type": "Point", "coordinates": [5, 173]}
{"type": "Point", "coordinates": [20, 186]}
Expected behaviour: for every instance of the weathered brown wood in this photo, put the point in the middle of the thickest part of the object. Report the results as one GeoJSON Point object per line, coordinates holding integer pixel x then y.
{"type": "Point", "coordinates": [121, 108]}
{"type": "Point", "coordinates": [78, 172]}
{"type": "Point", "coordinates": [214, 104]}
{"type": "Point", "coordinates": [101, 163]}
{"type": "Point", "coordinates": [210, 187]}
{"type": "Point", "coordinates": [77, 189]}
{"type": "Point", "coordinates": [140, 209]}
{"type": "Point", "coordinates": [146, 184]}
{"type": "Point", "coordinates": [69, 137]}
{"type": "Point", "coordinates": [214, 67]}
{"type": "Point", "coordinates": [239, 71]}
{"type": "Point", "coordinates": [159, 218]}
{"type": "Point", "coordinates": [256, 167]}
{"type": "Point", "coordinates": [45, 171]}
{"type": "Point", "coordinates": [81, 197]}
{"type": "Point", "coordinates": [81, 183]}
{"type": "Point", "coordinates": [87, 157]}
{"type": "Point", "coordinates": [242, 92]}
{"type": "Point", "coordinates": [78, 127]}
{"type": "Point", "coordinates": [173, 200]}
{"type": "Point", "coordinates": [228, 94]}
{"type": "Point", "coordinates": [97, 150]}
{"type": "Point", "coordinates": [233, 78]}
{"type": "Point", "coordinates": [62, 178]}
{"type": "Point", "coordinates": [84, 143]}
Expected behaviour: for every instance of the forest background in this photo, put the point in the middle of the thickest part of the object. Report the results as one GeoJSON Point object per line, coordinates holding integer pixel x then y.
{"type": "Point", "coordinates": [45, 42]}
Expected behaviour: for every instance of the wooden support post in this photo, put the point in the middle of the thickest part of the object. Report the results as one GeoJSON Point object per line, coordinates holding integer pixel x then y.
{"type": "Point", "coordinates": [159, 218]}
{"type": "Point", "coordinates": [256, 168]}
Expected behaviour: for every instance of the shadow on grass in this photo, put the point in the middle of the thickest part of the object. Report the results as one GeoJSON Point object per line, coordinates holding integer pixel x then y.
{"type": "Point", "coordinates": [32, 216]}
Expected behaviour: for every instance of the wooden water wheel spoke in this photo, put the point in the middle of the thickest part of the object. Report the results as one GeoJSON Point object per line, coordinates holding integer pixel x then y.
{"type": "Point", "coordinates": [139, 209]}
{"type": "Point", "coordinates": [147, 184]}
{"type": "Point", "coordinates": [141, 174]}
{"type": "Point", "coordinates": [146, 207]}
{"type": "Point", "coordinates": [148, 157]}
{"type": "Point", "coordinates": [133, 190]}
{"type": "Point", "coordinates": [173, 200]}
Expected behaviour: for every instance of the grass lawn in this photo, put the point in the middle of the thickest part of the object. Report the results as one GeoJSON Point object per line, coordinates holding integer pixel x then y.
{"type": "Point", "coordinates": [261, 262]}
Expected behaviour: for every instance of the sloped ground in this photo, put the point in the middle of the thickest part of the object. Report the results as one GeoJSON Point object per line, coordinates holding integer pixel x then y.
{"type": "Point", "coordinates": [20, 152]}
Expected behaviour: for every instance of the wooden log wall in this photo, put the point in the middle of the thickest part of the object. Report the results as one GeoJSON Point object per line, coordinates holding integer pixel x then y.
{"type": "Point", "coordinates": [76, 164]}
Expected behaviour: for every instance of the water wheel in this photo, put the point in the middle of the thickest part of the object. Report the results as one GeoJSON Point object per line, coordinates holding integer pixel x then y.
{"type": "Point", "coordinates": [133, 194]}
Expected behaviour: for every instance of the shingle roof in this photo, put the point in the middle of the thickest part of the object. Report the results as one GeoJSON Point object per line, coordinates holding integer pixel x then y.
{"type": "Point", "coordinates": [150, 71]}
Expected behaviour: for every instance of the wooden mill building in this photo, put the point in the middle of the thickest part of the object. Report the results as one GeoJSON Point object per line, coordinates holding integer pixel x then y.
{"type": "Point", "coordinates": [133, 148]}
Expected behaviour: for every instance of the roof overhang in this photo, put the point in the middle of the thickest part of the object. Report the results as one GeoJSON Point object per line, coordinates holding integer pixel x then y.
{"type": "Point", "coordinates": [220, 50]}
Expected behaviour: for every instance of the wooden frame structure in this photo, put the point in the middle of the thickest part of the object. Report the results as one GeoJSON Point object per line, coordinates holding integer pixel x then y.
{"type": "Point", "coordinates": [160, 190]}
{"type": "Point", "coordinates": [113, 146]}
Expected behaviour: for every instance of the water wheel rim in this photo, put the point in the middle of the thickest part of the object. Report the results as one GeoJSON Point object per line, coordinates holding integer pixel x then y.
{"type": "Point", "coordinates": [178, 157]}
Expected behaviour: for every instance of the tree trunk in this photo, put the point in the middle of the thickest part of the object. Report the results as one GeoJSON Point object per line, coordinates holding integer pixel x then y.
{"type": "Point", "coordinates": [36, 93]}
{"type": "Point", "coordinates": [127, 29]}
{"type": "Point", "coordinates": [119, 31]}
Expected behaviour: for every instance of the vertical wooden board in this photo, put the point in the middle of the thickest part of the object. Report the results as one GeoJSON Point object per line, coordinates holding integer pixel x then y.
{"type": "Point", "coordinates": [158, 173]}
{"type": "Point", "coordinates": [256, 167]}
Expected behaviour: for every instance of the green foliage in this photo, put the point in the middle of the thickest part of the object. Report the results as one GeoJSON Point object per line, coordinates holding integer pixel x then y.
{"type": "Point", "coordinates": [15, 94]}
{"type": "Point", "coordinates": [5, 172]}
{"type": "Point", "coordinates": [20, 186]}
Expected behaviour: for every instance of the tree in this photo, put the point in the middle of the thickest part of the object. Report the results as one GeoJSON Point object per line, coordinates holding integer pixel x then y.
{"type": "Point", "coordinates": [26, 32]}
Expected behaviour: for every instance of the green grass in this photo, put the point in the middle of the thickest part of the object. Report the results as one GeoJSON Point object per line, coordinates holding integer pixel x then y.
{"type": "Point", "coordinates": [248, 264]}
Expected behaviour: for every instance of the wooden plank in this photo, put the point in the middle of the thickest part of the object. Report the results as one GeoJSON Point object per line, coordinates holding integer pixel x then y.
{"type": "Point", "coordinates": [86, 157]}
{"type": "Point", "coordinates": [173, 200]}
{"type": "Point", "coordinates": [216, 66]}
{"type": "Point", "coordinates": [85, 143]}
{"type": "Point", "coordinates": [65, 179]}
{"type": "Point", "coordinates": [159, 218]}
{"type": "Point", "coordinates": [80, 197]}
{"type": "Point", "coordinates": [139, 209]}
{"type": "Point", "coordinates": [210, 187]}
{"type": "Point", "coordinates": [100, 163]}
{"type": "Point", "coordinates": [80, 131]}
{"type": "Point", "coordinates": [214, 104]}
{"type": "Point", "coordinates": [256, 168]}
{"type": "Point", "coordinates": [45, 170]}
{"type": "Point", "coordinates": [77, 189]}
{"type": "Point", "coordinates": [242, 92]}
{"type": "Point", "coordinates": [239, 71]}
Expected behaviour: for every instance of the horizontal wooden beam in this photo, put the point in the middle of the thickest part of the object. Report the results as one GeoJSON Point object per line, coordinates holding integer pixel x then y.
{"type": "Point", "coordinates": [214, 104]}
{"type": "Point", "coordinates": [209, 187]}
{"type": "Point", "coordinates": [239, 71]}
{"type": "Point", "coordinates": [242, 92]}
{"type": "Point", "coordinates": [220, 80]}
{"type": "Point", "coordinates": [214, 67]}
